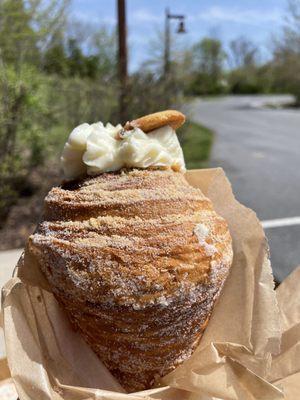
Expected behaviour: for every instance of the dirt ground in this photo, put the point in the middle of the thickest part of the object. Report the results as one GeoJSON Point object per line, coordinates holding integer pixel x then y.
{"type": "Point", "coordinates": [24, 215]}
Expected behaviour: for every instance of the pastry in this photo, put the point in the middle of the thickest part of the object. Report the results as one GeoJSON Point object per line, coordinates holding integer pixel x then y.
{"type": "Point", "coordinates": [135, 255]}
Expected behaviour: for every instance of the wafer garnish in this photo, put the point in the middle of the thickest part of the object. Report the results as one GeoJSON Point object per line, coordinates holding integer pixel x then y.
{"type": "Point", "coordinates": [157, 120]}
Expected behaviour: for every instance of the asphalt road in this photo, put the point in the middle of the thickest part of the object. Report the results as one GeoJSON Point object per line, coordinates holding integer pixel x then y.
{"type": "Point", "coordinates": [260, 151]}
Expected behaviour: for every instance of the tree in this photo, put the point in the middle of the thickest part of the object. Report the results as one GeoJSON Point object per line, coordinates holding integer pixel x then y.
{"type": "Point", "coordinates": [291, 30]}
{"type": "Point", "coordinates": [209, 56]}
{"type": "Point", "coordinates": [76, 59]}
{"type": "Point", "coordinates": [245, 76]}
{"type": "Point", "coordinates": [208, 63]}
{"type": "Point", "coordinates": [18, 40]}
{"type": "Point", "coordinates": [243, 53]}
{"type": "Point", "coordinates": [55, 57]}
{"type": "Point", "coordinates": [49, 19]}
{"type": "Point", "coordinates": [286, 56]}
{"type": "Point", "coordinates": [102, 46]}
{"type": "Point", "coordinates": [27, 28]}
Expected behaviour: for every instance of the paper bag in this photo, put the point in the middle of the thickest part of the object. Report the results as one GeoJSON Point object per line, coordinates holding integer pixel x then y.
{"type": "Point", "coordinates": [285, 369]}
{"type": "Point", "coordinates": [48, 360]}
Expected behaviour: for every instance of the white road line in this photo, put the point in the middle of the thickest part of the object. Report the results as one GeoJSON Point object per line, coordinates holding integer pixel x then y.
{"type": "Point", "coordinates": [276, 223]}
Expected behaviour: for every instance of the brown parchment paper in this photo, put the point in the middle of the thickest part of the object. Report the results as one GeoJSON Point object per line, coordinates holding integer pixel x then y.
{"type": "Point", "coordinates": [285, 369]}
{"type": "Point", "coordinates": [48, 360]}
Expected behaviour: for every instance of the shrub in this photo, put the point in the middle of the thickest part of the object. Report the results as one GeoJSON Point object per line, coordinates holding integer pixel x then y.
{"type": "Point", "coordinates": [23, 116]}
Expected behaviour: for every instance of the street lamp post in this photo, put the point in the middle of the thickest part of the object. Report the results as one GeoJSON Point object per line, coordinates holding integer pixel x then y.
{"type": "Point", "coordinates": [180, 29]}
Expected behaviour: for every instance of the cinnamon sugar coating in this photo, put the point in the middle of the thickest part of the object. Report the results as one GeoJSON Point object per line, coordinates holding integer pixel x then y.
{"type": "Point", "coordinates": [137, 259]}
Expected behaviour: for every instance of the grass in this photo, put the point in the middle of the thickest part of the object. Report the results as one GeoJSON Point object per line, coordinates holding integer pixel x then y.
{"type": "Point", "coordinates": [196, 141]}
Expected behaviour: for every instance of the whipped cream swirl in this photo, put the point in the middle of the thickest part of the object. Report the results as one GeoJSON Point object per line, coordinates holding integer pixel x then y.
{"type": "Point", "coordinates": [94, 149]}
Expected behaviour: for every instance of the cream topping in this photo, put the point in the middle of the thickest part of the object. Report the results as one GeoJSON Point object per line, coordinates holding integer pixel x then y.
{"type": "Point", "coordinates": [93, 149]}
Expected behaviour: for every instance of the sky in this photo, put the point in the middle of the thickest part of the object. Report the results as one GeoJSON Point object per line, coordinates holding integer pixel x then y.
{"type": "Point", "coordinates": [259, 20]}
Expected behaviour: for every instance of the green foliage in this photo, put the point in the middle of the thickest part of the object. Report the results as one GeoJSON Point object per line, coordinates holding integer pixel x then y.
{"type": "Point", "coordinates": [209, 56]}
{"type": "Point", "coordinates": [204, 84]}
{"type": "Point", "coordinates": [48, 85]}
{"type": "Point", "coordinates": [250, 80]}
{"type": "Point", "coordinates": [27, 26]}
{"type": "Point", "coordinates": [79, 100]}
{"type": "Point", "coordinates": [103, 48]}
{"type": "Point", "coordinates": [68, 59]}
{"type": "Point", "coordinates": [208, 60]}
{"type": "Point", "coordinates": [282, 73]}
{"type": "Point", "coordinates": [148, 93]}
{"type": "Point", "coordinates": [17, 37]}
{"type": "Point", "coordinates": [54, 59]}
{"type": "Point", "coordinates": [37, 112]}
{"type": "Point", "coordinates": [22, 110]}
{"type": "Point", "coordinates": [196, 142]}
{"type": "Point", "coordinates": [286, 57]}
{"type": "Point", "coordinates": [286, 71]}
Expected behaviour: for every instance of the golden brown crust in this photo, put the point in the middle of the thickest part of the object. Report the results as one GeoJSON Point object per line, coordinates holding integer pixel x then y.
{"type": "Point", "coordinates": [137, 259]}
{"type": "Point", "coordinates": [150, 122]}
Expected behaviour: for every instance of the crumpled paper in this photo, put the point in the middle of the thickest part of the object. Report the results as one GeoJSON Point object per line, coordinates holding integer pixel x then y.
{"type": "Point", "coordinates": [250, 349]}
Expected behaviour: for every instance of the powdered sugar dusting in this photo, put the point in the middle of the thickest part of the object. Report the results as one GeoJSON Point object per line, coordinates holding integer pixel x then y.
{"type": "Point", "coordinates": [202, 231]}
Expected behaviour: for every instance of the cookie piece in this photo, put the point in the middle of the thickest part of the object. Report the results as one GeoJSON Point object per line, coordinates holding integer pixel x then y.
{"type": "Point", "coordinates": [150, 122]}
